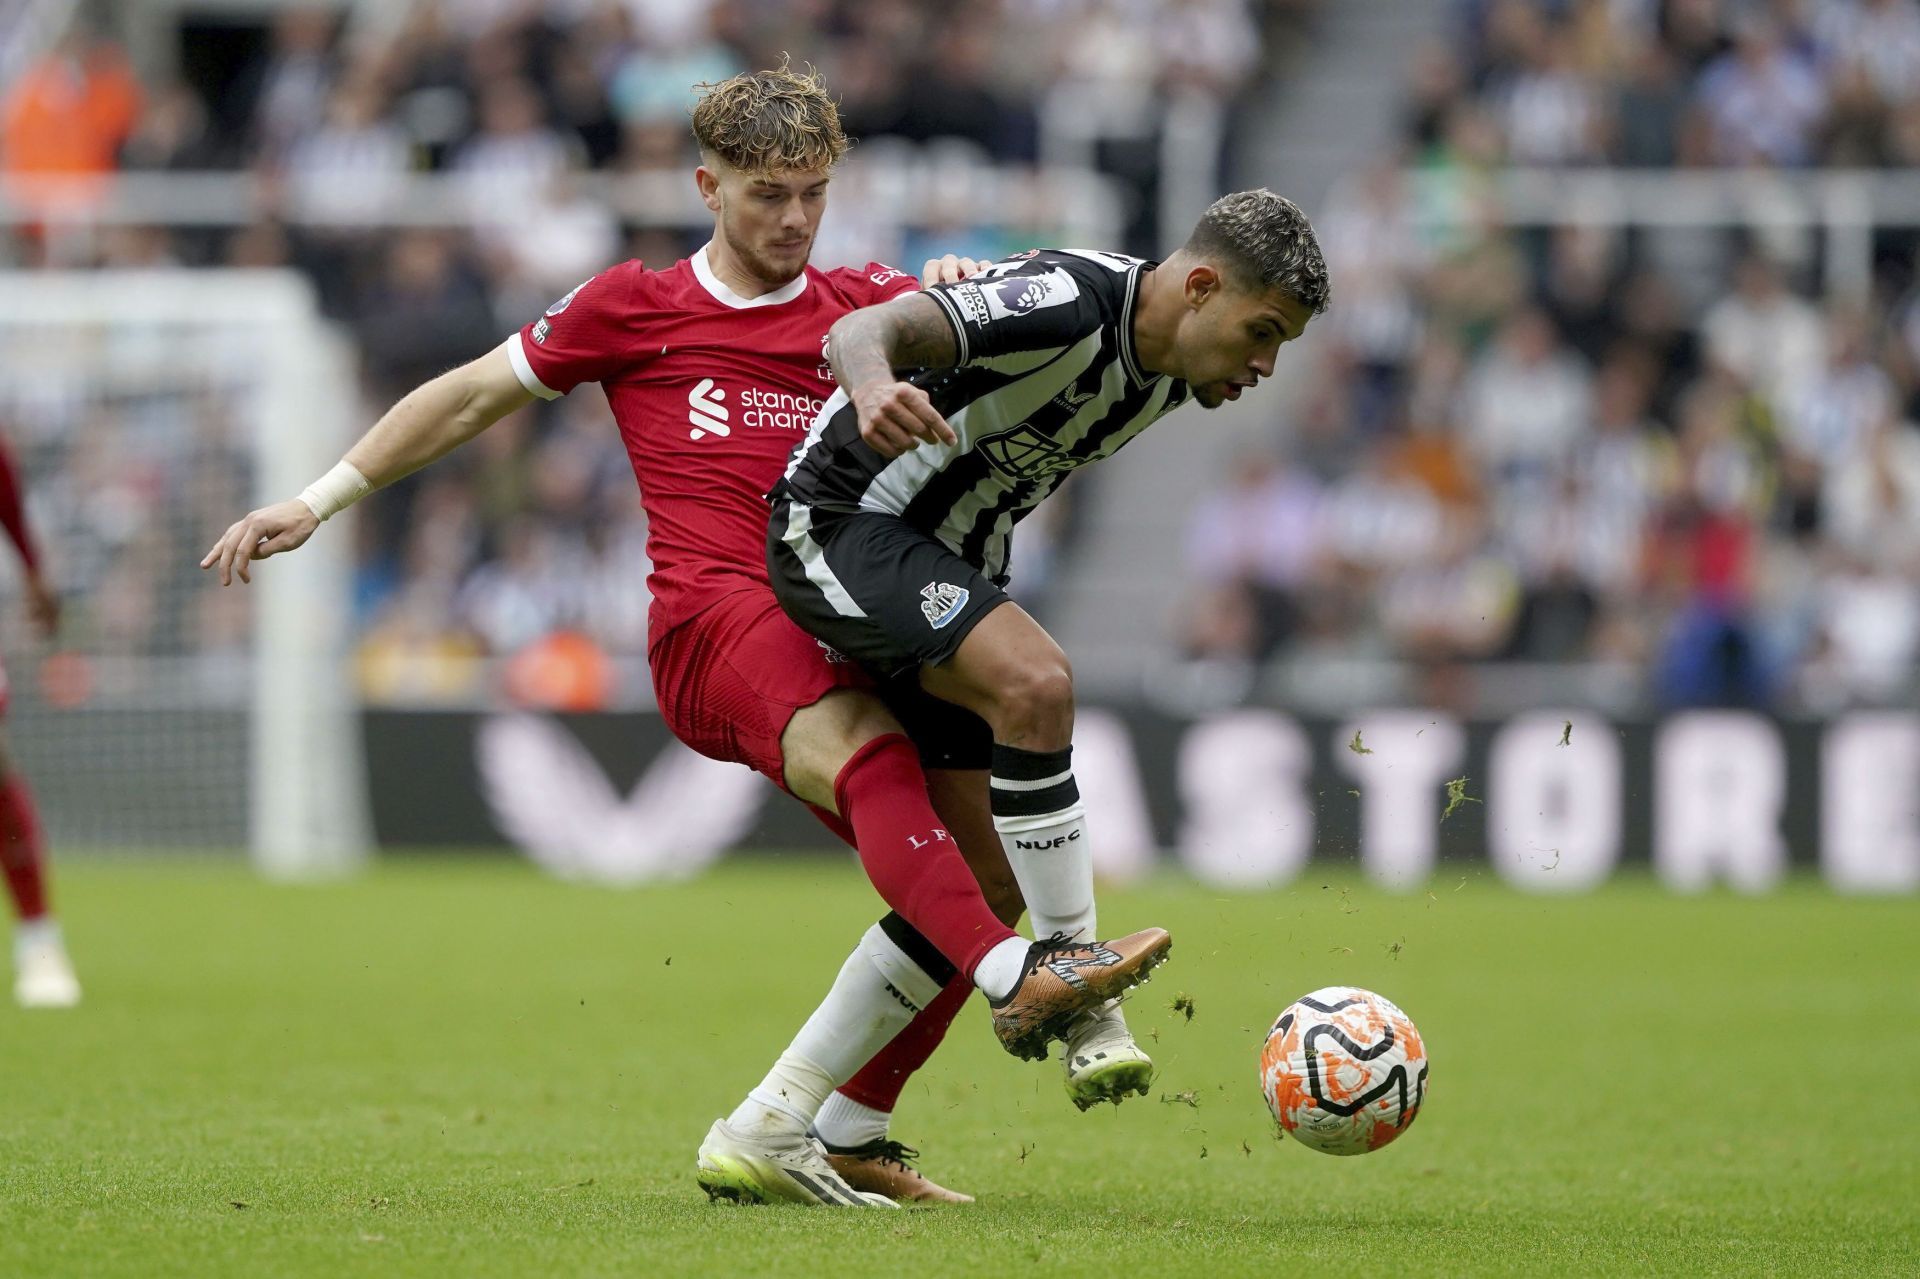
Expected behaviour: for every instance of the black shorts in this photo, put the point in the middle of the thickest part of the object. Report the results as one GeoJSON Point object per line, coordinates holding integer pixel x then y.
{"type": "Point", "coordinates": [893, 599]}
{"type": "Point", "coordinates": [946, 735]}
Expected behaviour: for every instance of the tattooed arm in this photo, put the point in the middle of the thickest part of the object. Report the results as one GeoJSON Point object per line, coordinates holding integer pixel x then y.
{"type": "Point", "coordinates": [866, 346]}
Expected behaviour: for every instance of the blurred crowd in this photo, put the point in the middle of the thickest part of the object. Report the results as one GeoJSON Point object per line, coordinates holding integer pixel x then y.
{"type": "Point", "coordinates": [1678, 448]}
{"type": "Point", "coordinates": [1657, 83]}
{"type": "Point", "coordinates": [535, 530]}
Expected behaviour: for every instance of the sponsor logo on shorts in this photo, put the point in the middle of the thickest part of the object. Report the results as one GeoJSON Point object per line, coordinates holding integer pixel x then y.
{"type": "Point", "coordinates": [942, 602]}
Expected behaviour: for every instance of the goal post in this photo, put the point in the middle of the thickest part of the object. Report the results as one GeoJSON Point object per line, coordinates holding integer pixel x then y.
{"type": "Point", "coordinates": [152, 408]}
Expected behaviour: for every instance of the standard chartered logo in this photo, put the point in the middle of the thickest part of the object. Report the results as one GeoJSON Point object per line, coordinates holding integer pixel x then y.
{"type": "Point", "coordinates": [707, 411]}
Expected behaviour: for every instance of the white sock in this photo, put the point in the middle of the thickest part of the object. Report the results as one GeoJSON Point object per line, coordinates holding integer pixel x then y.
{"type": "Point", "coordinates": [877, 993]}
{"type": "Point", "coordinates": [1000, 969]}
{"type": "Point", "coordinates": [847, 1124]}
{"type": "Point", "coordinates": [30, 934]}
{"type": "Point", "coordinates": [1043, 827]}
{"type": "Point", "coordinates": [786, 1099]}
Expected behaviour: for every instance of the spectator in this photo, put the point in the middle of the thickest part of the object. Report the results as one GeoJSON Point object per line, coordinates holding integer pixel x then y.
{"type": "Point", "coordinates": [295, 84]}
{"type": "Point", "coordinates": [173, 133]}
{"type": "Point", "coordinates": [515, 157]}
{"type": "Point", "coordinates": [1547, 108]}
{"type": "Point", "coordinates": [1251, 546]}
{"type": "Point", "coordinates": [1828, 415]}
{"type": "Point", "coordinates": [1762, 334]}
{"type": "Point", "coordinates": [1455, 601]}
{"type": "Point", "coordinates": [427, 312]}
{"type": "Point", "coordinates": [67, 116]}
{"type": "Point", "coordinates": [1374, 249]}
{"type": "Point", "coordinates": [1881, 37]}
{"type": "Point", "coordinates": [1763, 100]}
{"type": "Point", "coordinates": [1526, 400]}
{"type": "Point", "coordinates": [348, 169]}
{"type": "Point", "coordinates": [1872, 498]}
{"type": "Point", "coordinates": [527, 592]}
{"type": "Point", "coordinates": [1649, 109]}
{"type": "Point", "coordinates": [1870, 632]}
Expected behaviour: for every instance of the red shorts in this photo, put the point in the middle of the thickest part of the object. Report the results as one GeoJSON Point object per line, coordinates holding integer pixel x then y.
{"type": "Point", "coordinates": [729, 678]}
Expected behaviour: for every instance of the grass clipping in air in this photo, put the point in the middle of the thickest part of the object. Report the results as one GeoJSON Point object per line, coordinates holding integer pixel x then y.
{"type": "Point", "coordinates": [1456, 796]}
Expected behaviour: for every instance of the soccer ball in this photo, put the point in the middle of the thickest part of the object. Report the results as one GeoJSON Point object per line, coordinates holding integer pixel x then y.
{"type": "Point", "coordinates": [1343, 1071]}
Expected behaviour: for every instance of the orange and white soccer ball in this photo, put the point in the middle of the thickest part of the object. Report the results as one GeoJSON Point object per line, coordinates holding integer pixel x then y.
{"type": "Point", "coordinates": [1343, 1071]}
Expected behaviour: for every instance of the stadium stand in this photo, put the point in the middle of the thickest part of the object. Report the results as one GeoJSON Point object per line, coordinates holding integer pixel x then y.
{"type": "Point", "coordinates": [1682, 452]}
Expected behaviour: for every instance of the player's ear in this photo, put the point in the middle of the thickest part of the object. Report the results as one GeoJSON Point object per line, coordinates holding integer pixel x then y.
{"type": "Point", "coordinates": [1203, 283]}
{"type": "Point", "coordinates": [709, 183]}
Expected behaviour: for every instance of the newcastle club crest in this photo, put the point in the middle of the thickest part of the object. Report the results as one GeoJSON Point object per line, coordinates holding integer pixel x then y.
{"type": "Point", "coordinates": [942, 602]}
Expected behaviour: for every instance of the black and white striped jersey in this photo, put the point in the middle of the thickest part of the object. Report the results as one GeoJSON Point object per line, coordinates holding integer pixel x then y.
{"type": "Point", "coordinates": [1047, 381]}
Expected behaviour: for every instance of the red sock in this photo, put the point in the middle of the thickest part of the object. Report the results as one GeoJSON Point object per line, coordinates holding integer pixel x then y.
{"type": "Point", "coordinates": [20, 851]}
{"type": "Point", "coordinates": [879, 1082]}
{"type": "Point", "coordinates": [908, 854]}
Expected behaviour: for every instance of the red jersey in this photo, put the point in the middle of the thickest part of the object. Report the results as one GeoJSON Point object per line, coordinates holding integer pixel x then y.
{"type": "Point", "coordinates": [711, 391]}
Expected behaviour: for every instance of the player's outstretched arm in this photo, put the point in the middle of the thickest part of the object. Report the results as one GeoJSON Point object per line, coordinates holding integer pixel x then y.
{"type": "Point", "coordinates": [866, 346]}
{"type": "Point", "coordinates": [430, 421]}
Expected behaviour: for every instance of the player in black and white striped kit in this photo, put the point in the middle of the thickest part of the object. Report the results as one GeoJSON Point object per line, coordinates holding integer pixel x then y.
{"type": "Point", "coordinates": [891, 530]}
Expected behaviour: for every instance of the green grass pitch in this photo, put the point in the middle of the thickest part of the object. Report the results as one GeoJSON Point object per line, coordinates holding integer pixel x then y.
{"type": "Point", "coordinates": [458, 1068]}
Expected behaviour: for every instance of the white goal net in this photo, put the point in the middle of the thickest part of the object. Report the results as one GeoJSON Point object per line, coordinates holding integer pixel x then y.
{"type": "Point", "coordinates": [148, 410]}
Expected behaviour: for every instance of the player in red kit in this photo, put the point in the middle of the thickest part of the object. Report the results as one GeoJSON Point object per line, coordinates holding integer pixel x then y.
{"type": "Point", "coordinates": [714, 367]}
{"type": "Point", "coordinates": [42, 976]}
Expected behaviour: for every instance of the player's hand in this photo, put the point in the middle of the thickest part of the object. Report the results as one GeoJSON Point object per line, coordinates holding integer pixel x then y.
{"type": "Point", "coordinates": [267, 531]}
{"type": "Point", "coordinates": [949, 270]}
{"type": "Point", "coordinates": [43, 605]}
{"type": "Point", "coordinates": [897, 417]}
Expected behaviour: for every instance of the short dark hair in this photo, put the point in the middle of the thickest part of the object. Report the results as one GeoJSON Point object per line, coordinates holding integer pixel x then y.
{"type": "Point", "coordinates": [1264, 241]}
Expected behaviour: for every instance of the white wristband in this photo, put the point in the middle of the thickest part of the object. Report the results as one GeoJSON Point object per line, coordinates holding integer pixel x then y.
{"type": "Point", "coordinates": [335, 491]}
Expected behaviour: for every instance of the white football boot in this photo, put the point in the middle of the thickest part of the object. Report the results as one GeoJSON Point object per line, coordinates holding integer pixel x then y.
{"type": "Point", "coordinates": [784, 1168]}
{"type": "Point", "coordinates": [1102, 1061]}
{"type": "Point", "coordinates": [42, 974]}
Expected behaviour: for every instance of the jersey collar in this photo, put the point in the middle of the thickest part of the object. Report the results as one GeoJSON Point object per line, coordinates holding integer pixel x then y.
{"type": "Point", "coordinates": [1129, 358]}
{"type": "Point", "coordinates": [703, 272]}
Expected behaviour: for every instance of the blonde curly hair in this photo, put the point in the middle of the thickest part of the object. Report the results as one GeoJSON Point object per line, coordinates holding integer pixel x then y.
{"type": "Point", "coordinates": [763, 122]}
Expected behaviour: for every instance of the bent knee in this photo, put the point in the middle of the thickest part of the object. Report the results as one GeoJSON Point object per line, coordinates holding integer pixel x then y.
{"type": "Point", "coordinates": [1040, 694]}
{"type": "Point", "coordinates": [822, 737]}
